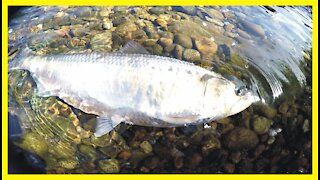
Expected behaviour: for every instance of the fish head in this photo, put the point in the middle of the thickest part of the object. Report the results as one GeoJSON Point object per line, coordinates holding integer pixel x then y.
{"type": "Point", "coordinates": [224, 98]}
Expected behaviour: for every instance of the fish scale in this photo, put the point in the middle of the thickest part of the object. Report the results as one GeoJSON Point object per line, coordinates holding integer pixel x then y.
{"type": "Point", "coordinates": [140, 89]}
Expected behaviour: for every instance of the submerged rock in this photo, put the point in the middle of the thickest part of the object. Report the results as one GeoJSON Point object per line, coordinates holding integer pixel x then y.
{"type": "Point", "coordinates": [146, 147]}
{"type": "Point", "coordinates": [241, 139]}
{"type": "Point", "coordinates": [191, 55]}
{"type": "Point", "coordinates": [102, 42]}
{"type": "Point", "coordinates": [261, 125]}
{"type": "Point", "coordinates": [109, 165]}
{"type": "Point", "coordinates": [254, 29]}
{"type": "Point", "coordinates": [68, 163]}
{"type": "Point", "coordinates": [183, 40]}
{"type": "Point", "coordinates": [206, 46]}
{"type": "Point", "coordinates": [34, 143]}
{"type": "Point", "coordinates": [189, 28]}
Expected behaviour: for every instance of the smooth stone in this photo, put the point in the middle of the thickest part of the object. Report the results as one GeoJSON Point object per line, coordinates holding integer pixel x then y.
{"type": "Point", "coordinates": [146, 147]}
{"type": "Point", "coordinates": [254, 29]}
{"type": "Point", "coordinates": [157, 10]}
{"type": "Point", "coordinates": [109, 165]}
{"type": "Point", "coordinates": [189, 28]}
{"type": "Point", "coordinates": [68, 163]}
{"type": "Point", "coordinates": [243, 34]}
{"type": "Point", "coordinates": [230, 34]}
{"type": "Point", "coordinates": [241, 139]}
{"type": "Point", "coordinates": [183, 40]}
{"type": "Point", "coordinates": [102, 42]}
{"type": "Point", "coordinates": [126, 27]}
{"type": "Point", "coordinates": [166, 34]}
{"type": "Point", "coordinates": [178, 51]}
{"type": "Point", "coordinates": [229, 27]}
{"type": "Point", "coordinates": [190, 10]}
{"type": "Point", "coordinates": [169, 49]}
{"type": "Point", "coordinates": [157, 49]}
{"type": "Point", "coordinates": [215, 13]}
{"type": "Point", "coordinates": [206, 46]}
{"type": "Point", "coordinates": [139, 35]}
{"type": "Point", "coordinates": [163, 20]}
{"type": "Point", "coordinates": [215, 21]}
{"type": "Point", "coordinates": [165, 42]}
{"type": "Point", "coordinates": [261, 125]}
{"type": "Point", "coordinates": [228, 14]}
{"type": "Point", "coordinates": [191, 55]}
{"type": "Point", "coordinates": [79, 32]}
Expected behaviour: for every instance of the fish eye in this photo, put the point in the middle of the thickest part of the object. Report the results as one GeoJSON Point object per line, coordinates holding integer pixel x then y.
{"type": "Point", "coordinates": [242, 90]}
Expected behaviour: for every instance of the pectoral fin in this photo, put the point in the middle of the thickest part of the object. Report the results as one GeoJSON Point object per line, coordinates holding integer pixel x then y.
{"type": "Point", "coordinates": [105, 124]}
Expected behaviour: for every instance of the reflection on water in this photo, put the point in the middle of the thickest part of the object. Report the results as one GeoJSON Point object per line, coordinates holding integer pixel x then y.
{"type": "Point", "coordinates": [267, 48]}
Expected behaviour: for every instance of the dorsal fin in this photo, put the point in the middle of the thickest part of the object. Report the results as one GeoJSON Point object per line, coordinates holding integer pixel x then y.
{"type": "Point", "coordinates": [133, 47]}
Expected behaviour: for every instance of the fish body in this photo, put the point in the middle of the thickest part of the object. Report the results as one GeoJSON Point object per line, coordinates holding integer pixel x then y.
{"type": "Point", "coordinates": [139, 89]}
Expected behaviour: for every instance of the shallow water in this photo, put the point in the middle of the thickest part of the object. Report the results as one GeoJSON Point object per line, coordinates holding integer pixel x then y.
{"type": "Point", "coordinates": [268, 48]}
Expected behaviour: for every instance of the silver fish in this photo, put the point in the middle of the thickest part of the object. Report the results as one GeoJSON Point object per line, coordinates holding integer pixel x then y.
{"type": "Point", "coordinates": [134, 87]}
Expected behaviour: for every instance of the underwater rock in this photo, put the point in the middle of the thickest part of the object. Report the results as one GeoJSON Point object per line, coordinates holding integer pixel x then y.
{"type": "Point", "coordinates": [163, 20]}
{"type": "Point", "coordinates": [157, 10]}
{"type": "Point", "coordinates": [136, 157]}
{"type": "Point", "coordinates": [157, 49]}
{"type": "Point", "coordinates": [165, 42]}
{"type": "Point", "coordinates": [139, 36]}
{"type": "Point", "coordinates": [230, 34]}
{"type": "Point", "coordinates": [269, 111]}
{"type": "Point", "coordinates": [183, 40]}
{"type": "Point", "coordinates": [189, 28]}
{"type": "Point", "coordinates": [178, 52]}
{"type": "Point", "coordinates": [89, 151]}
{"type": "Point", "coordinates": [105, 11]}
{"type": "Point", "coordinates": [146, 147]}
{"type": "Point", "coordinates": [283, 108]}
{"type": "Point", "coordinates": [229, 27]}
{"type": "Point", "coordinates": [62, 150]}
{"type": "Point", "coordinates": [243, 34]}
{"type": "Point", "coordinates": [215, 13]}
{"type": "Point", "coordinates": [215, 21]}
{"type": "Point", "coordinates": [102, 42]}
{"type": "Point", "coordinates": [150, 42]}
{"type": "Point", "coordinates": [107, 24]}
{"type": "Point", "coordinates": [241, 139]}
{"type": "Point", "coordinates": [166, 34]}
{"type": "Point", "coordinates": [228, 14]}
{"type": "Point", "coordinates": [254, 29]}
{"type": "Point", "coordinates": [191, 10]}
{"type": "Point", "coordinates": [169, 49]}
{"type": "Point", "coordinates": [235, 157]}
{"type": "Point", "coordinates": [109, 165]}
{"type": "Point", "coordinates": [206, 46]}
{"type": "Point", "coordinates": [261, 125]}
{"type": "Point", "coordinates": [229, 168]}
{"type": "Point", "coordinates": [191, 55]}
{"type": "Point", "coordinates": [82, 11]}
{"type": "Point", "coordinates": [79, 32]}
{"type": "Point", "coordinates": [194, 160]}
{"type": "Point", "coordinates": [68, 163]}
{"type": "Point", "coordinates": [125, 28]}
{"type": "Point", "coordinates": [210, 144]}
{"type": "Point", "coordinates": [151, 162]}
{"type": "Point", "coordinates": [125, 154]}
{"type": "Point", "coordinates": [34, 143]}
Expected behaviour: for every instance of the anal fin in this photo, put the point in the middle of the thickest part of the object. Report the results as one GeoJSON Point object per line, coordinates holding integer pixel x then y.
{"type": "Point", "coordinates": [106, 124]}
